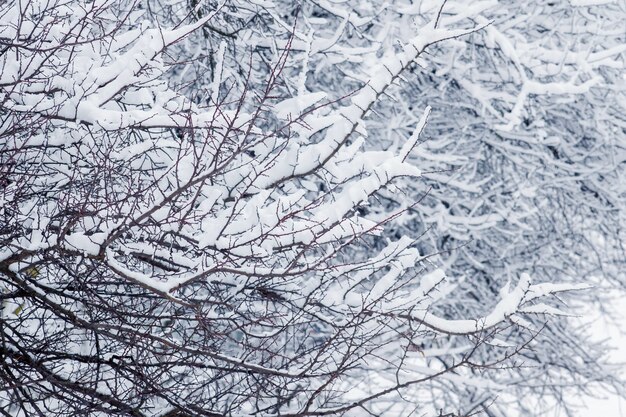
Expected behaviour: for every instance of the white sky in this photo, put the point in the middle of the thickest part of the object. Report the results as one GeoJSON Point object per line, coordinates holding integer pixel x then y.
{"type": "Point", "coordinates": [615, 331]}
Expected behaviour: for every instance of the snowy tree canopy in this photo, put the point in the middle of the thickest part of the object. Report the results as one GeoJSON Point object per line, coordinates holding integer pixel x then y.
{"type": "Point", "coordinates": [307, 208]}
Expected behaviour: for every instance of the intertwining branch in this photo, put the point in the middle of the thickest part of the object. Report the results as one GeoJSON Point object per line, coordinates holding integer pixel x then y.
{"type": "Point", "coordinates": [189, 227]}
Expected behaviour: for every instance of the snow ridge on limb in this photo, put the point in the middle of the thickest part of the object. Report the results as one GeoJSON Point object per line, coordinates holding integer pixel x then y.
{"type": "Point", "coordinates": [85, 95]}
{"type": "Point", "coordinates": [348, 118]}
{"type": "Point", "coordinates": [511, 303]}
